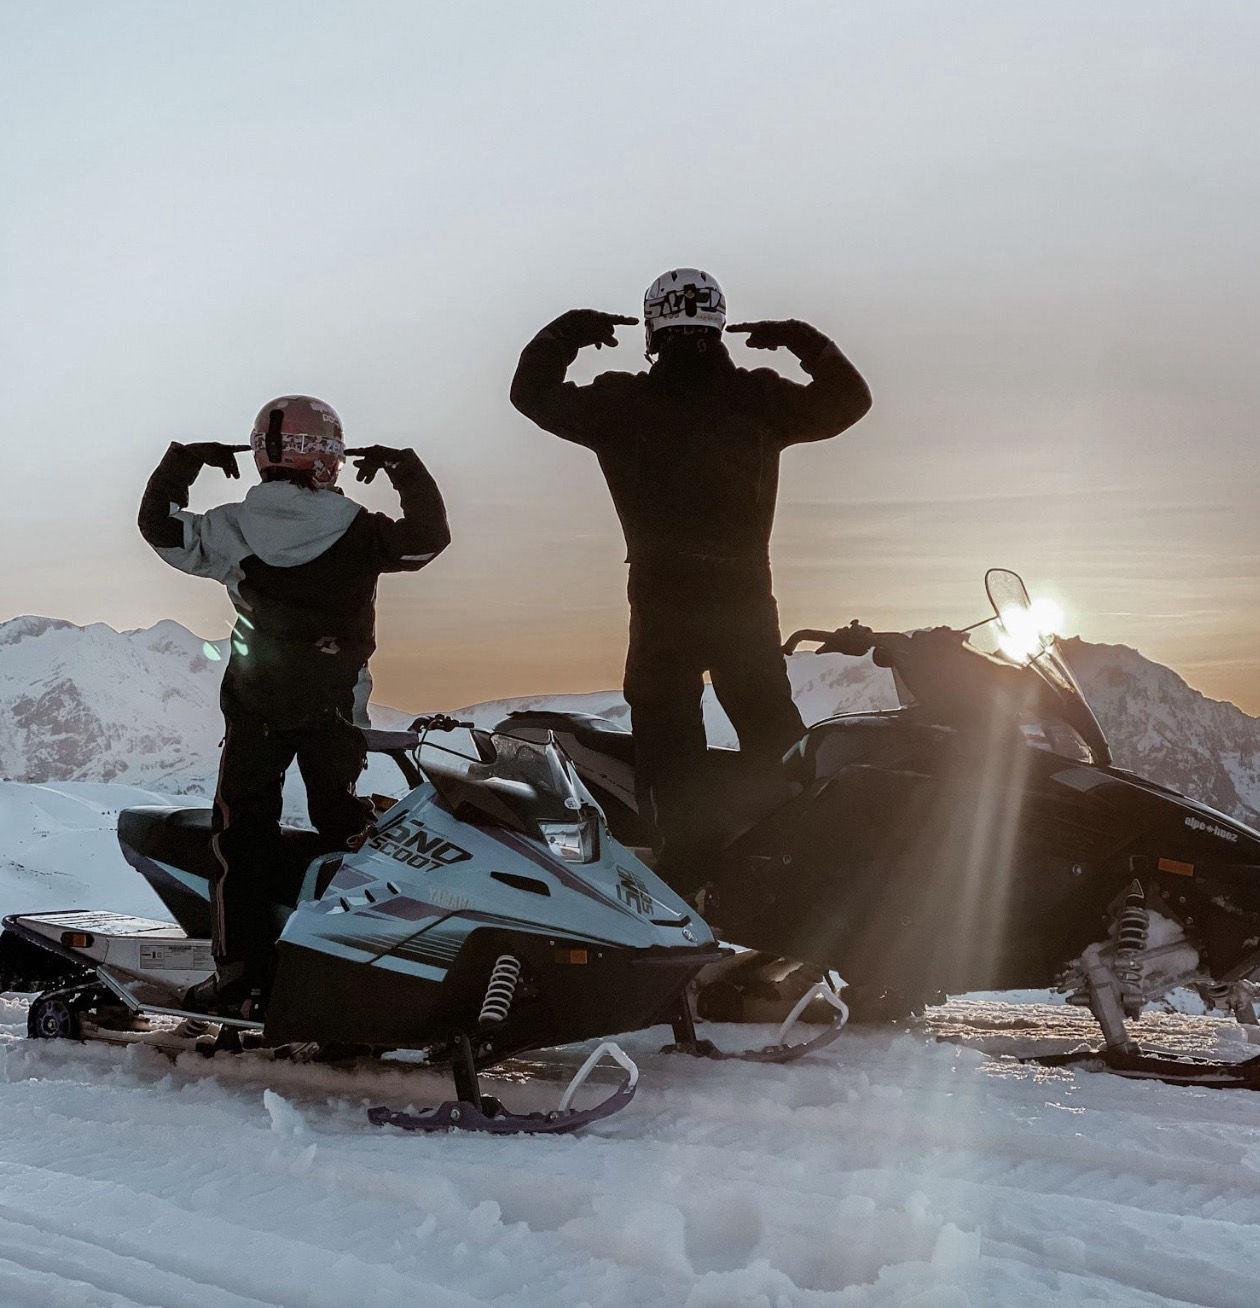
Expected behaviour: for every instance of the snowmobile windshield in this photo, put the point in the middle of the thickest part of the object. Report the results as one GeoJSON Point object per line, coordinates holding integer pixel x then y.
{"type": "Point", "coordinates": [1027, 639]}
{"type": "Point", "coordinates": [557, 807]}
{"type": "Point", "coordinates": [546, 770]}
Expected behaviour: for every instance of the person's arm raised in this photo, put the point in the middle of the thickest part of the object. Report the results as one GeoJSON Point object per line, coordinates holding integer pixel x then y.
{"type": "Point", "coordinates": [539, 390]}
{"type": "Point", "coordinates": [833, 400]}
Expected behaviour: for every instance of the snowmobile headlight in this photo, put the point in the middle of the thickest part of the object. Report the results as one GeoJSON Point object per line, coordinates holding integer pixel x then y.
{"type": "Point", "coordinates": [575, 842]}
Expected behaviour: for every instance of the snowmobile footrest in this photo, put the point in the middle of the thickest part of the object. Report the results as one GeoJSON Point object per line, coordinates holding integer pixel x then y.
{"type": "Point", "coordinates": [1151, 1065]}
{"type": "Point", "coordinates": [780, 1051]}
{"type": "Point", "coordinates": [488, 1114]}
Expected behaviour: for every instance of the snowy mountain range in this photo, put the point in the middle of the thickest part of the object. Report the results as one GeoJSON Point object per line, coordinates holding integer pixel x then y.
{"type": "Point", "coordinates": [141, 708]}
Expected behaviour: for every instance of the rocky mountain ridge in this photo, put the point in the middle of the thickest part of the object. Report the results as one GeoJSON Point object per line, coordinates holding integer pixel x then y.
{"type": "Point", "coordinates": [141, 708]}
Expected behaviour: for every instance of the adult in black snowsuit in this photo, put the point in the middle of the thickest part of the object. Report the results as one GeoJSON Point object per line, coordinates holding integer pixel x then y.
{"type": "Point", "coordinates": [690, 451]}
{"type": "Point", "coordinates": [300, 561]}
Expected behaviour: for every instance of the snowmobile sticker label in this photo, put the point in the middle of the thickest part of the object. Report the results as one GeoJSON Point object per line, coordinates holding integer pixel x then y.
{"type": "Point", "coordinates": [633, 892]}
{"type": "Point", "coordinates": [409, 841]}
{"type": "Point", "coordinates": [1198, 824]}
{"type": "Point", "coordinates": [191, 957]}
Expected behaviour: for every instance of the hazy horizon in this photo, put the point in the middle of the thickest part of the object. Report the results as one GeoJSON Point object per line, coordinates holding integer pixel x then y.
{"type": "Point", "coordinates": [1030, 227]}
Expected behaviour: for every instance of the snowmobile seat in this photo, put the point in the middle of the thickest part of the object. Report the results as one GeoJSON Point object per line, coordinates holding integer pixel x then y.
{"type": "Point", "coordinates": [181, 839]}
{"type": "Point", "coordinates": [885, 740]}
{"type": "Point", "coordinates": [181, 836]}
{"type": "Point", "coordinates": [595, 733]}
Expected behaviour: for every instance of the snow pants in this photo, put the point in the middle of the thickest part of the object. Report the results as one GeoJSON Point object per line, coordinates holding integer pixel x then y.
{"type": "Point", "coordinates": [719, 619]}
{"type": "Point", "coordinates": [255, 869]}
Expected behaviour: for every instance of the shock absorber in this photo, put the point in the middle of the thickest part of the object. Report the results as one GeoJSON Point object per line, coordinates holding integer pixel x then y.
{"type": "Point", "coordinates": [1132, 934]}
{"type": "Point", "coordinates": [500, 989]}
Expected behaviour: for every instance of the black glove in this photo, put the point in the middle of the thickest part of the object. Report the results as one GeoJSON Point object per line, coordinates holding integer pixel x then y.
{"type": "Point", "coordinates": [854, 639]}
{"type": "Point", "coordinates": [213, 455]}
{"type": "Point", "coordinates": [804, 341]}
{"type": "Point", "coordinates": [372, 458]}
{"type": "Point", "coordinates": [591, 327]}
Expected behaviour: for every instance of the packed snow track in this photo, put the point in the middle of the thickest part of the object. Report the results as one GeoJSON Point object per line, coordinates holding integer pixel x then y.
{"type": "Point", "coordinates": [892, 1168]}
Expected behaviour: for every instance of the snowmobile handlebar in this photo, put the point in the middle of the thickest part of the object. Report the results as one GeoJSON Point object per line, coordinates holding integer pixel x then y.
{"type": "Point", "coordinates": [438, 722]}
{"type": "Point", "coordinates": [856, 640]}
{"type": "Point", "coordinates": [853, 639]}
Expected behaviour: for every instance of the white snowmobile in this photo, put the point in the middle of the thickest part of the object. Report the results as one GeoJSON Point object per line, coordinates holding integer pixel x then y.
{"type": "Point", "coordinates": [489, 912]}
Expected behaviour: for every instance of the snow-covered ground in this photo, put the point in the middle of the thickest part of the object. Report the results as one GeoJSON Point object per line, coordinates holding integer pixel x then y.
{"type": "Point", "coordinates": [902, 1166]}
{"type": "Point", "coordinates": [892, 1169]}
{"type": "Point", "coordinates": [58, 848]}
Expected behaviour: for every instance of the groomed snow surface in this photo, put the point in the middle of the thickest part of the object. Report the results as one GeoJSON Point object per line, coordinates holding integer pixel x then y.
{"type": "Point", "coordinates": [894, 1168]}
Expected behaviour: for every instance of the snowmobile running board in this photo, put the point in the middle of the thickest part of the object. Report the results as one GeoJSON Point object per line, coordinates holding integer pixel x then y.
{"type": "Point", "coordinates": [1150, 1065]}
{"type": "Point", "coordinates": [473, 1111]}
{"type": "Point", "coordinates": [687, 1042]}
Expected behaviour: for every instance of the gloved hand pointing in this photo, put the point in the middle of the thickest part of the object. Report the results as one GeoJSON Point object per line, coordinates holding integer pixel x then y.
{"type": "Point", "coordinates": [372, 458]}
{"type": "Point", "coordinates": [214, 455]}
{"type": "Point", "coordinates": [591, 327]}
{"type": "Point", "coordinates": [770, 334]}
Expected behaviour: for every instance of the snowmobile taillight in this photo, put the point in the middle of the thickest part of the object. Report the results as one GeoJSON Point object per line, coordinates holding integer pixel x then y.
{"type": "Point", "coordinates": [575, 842]}
{"type": "Point", "coordinates": [572, 956]}
{"type": "Point", "coordinates": [76, 939]}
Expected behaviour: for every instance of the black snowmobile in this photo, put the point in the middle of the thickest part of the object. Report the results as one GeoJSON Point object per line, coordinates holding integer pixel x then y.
{"type": "Point", "coordinates": [976, 838]}
{"type": "Point", "coordinates": [489, 912]}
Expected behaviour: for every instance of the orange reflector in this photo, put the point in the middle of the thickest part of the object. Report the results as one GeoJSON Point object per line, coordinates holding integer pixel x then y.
{"type": "Point", "coordinates": [572, 956]}
{"type": "Point", "coordinates": [76, 939]}
{"type": "Point", "coordinates": [1177, 869]}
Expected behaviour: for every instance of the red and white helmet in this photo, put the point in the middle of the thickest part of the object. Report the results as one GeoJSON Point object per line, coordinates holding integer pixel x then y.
{"type": "Point", "coordinates": [301, 433]}
{"type": "Point", "coordinates": [683, 297]}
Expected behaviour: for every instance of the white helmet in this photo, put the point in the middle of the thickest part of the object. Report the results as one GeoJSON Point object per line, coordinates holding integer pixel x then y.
{"type": "Point", "coordinates": [683, 297]}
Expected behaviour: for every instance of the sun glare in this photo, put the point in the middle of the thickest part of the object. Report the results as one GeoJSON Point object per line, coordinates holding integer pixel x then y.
{"type": "Point", "coordinates": [1025, 632]}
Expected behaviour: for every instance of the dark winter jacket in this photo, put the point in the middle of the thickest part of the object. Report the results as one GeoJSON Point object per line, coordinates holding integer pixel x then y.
{"type": "Point", "coordinates": [690, 449]}
{"type": "Point", "coordinates": [301, 568]}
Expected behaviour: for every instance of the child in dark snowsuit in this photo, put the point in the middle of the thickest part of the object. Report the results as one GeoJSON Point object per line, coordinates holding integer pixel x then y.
{"type": "Point", "coordinates": [300, 561]}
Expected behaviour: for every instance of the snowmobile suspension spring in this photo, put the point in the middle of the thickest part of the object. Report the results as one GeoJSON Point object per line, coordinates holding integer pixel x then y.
{"type": "Point", "coordinates": [503, 978]}
{"type": "Point", "coordinates": [1132, 934]}
{"type": "Point", "coordinates": [1134, 929]}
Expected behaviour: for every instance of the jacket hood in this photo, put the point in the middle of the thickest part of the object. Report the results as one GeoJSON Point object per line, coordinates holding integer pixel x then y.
{"type": "Point", "coordinates": [286, 525]}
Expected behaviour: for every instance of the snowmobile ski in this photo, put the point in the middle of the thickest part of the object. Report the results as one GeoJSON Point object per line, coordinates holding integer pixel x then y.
{"type": "Point", "coordinates": [687, 1042]}
{"type": "Point", "coordinates": [479, 1112]}
{"type": "Point", "coordinates": [1154, 1065]}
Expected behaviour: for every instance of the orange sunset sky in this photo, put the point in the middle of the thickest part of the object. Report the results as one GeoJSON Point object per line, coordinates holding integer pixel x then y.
{"type": "Point", "coordinates": [1031, 226]}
